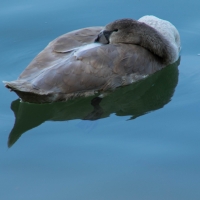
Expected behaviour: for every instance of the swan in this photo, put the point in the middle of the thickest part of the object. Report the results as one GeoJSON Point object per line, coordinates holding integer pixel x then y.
{"type": "Point", "coordinates": [94, 60]}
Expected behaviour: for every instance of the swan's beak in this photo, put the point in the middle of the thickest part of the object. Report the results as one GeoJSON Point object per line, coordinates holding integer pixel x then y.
{"type": "Point", "coordinates": [103, 37]}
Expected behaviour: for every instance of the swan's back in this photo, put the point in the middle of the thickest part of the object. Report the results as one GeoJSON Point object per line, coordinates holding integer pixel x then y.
{"type": "Point", "coordinates": [88, 72]}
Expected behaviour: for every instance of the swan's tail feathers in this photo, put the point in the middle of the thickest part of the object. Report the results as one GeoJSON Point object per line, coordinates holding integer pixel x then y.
{"type": "Point", "coordinates": [12, 85]}
{"type": "Point", "coordinates": [27, 92]}
{"type": "Point", "coordinates": [19, 85]}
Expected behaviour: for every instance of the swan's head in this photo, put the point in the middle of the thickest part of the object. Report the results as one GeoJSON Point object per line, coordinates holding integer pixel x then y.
{"type": "Point", "coordinates": [121, 31]}
{"type": "Point", "coordinates": [158, 36]}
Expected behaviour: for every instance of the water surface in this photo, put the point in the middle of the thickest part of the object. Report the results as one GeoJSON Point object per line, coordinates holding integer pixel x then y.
{"type": "Point", "coordinates": [141, 142]}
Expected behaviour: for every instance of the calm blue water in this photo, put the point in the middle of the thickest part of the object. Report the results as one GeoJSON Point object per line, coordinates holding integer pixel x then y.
{"type": "Point", "coordinates": [141, 143]}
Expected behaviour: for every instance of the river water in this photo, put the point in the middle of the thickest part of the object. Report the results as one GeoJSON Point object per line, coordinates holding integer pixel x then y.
{"type": "Point", "coordinates": [141, 143]}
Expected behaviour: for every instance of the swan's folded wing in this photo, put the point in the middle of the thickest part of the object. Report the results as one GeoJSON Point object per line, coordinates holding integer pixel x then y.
{"type": "Point", "coordinates": [101, 68]}
{"type": "Point", "coordinates": [60, 49]}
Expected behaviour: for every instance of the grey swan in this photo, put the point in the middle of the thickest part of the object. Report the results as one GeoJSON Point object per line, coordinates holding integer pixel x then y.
{"type": "Point", "coordinates": [94, 60]}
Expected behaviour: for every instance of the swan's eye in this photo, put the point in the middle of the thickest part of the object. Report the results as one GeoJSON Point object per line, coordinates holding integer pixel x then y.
{"type": "Point", "coordinates": [115, 30]}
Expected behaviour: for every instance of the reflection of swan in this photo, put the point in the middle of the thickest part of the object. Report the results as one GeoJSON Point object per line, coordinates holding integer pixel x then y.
{"type": "Point", "coordinates": [74, 65]}
{"type": "Point", "coordinates": [133, 100]}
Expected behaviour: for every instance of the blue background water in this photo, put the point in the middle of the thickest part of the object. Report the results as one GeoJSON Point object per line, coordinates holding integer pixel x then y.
{"type": "Point", "coordinates": [145, 143]}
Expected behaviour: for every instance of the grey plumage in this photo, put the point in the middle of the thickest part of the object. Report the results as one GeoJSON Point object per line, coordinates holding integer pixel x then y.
{"type": "Point", "coordinates": [74, 65]}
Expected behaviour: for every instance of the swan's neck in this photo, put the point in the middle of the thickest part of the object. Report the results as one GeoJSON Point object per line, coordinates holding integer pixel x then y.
{"type": "Point", "coordinates": [152, 40]}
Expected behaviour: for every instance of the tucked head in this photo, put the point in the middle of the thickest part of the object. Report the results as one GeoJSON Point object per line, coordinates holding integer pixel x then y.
{"type": "Point", "coordinates": [151, 36]}
{"type": "Point", "coordinates": [121, 31]}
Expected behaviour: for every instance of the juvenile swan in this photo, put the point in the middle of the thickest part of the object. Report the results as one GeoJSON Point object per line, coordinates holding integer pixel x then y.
{"type": "Point", "coordinates": [95, 59]}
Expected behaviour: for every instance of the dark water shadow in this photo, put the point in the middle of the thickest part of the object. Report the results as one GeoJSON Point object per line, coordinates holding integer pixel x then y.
{"type": "Point", "coordinates": [134, 100]}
